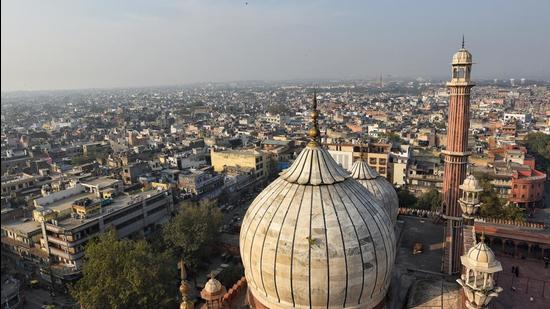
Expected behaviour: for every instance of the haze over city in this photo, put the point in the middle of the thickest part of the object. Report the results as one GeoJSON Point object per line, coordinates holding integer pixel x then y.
{"type": "Point", "coordinates": [103, 44]}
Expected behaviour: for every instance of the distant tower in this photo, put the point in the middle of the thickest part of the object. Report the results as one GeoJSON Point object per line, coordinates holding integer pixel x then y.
{"type": "Point", "coordinates": [456, 156]}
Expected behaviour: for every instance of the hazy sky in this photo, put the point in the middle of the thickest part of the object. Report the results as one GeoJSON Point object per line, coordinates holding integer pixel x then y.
{"type": "Point", "coordinates": [110, 43]}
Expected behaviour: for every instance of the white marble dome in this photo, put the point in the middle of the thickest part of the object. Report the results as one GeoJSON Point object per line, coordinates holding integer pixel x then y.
{"type": "Point", "coordinates": [378, 186]}
{"type": "Point", "coordinates": [481, 258]}
{"type": "Point", "coordinates": [316, 238]}
{"type": "Point", "coordinates": [463, 56]}
{"type": "Point", "coordinates": [471, 184]}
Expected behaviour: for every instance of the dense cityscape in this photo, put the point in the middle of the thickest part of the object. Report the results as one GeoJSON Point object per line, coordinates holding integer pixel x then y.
{"type": "Point", "coordinates": [76, 164]}
{"type": "Point", "coordinates": [307, 154]}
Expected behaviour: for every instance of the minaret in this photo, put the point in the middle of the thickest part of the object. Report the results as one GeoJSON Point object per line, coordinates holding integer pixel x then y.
{"type": "Point", "coordinates": [456, 156]}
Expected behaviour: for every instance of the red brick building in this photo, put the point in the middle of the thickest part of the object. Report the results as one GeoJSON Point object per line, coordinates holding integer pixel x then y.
{"type": "Point", "coordinates": [527, 188]}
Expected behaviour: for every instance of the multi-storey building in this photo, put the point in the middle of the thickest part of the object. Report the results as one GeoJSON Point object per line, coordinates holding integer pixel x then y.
{"type": "Point", "coordinates": [65, 234]}
{"type": "Point", "coordinates": [254, 161]}
{"type": "Point", "coordinates": [399, 161]}
{"type": "Point", "coordinates": [199, 181]}
{"type": "Point", "coordinates": [131, 172]}
{"type": "Point", "coordinates": [527, 188]}
{"type": "Point", "coordinates": [15, 183]}
{"type": "Point", "coordinates": [376, 154]}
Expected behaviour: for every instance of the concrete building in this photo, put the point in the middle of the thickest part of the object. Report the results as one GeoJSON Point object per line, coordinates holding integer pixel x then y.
{"type": "Point", "coordinates": [85, 216]}
{"type": "Point", "coordinates": [399, 161]}
{"type": "Point", "coordinates": [522, 118]}
{"type": "Point", "coordinates": [131, 172]}
{"type": "Point", "coordinates": [527, 188]}
{"type": "Point", "coordinates": [21, 237]}
{"type": "Point", "coordinates": [377, 156]}
{"type": "Point", "coordinates": [15, 183]}
{"type": "Point", "coordinates": [199, 181]}
{"type": "Point", "coordinates": [275, 119]}
{"type": "Point", "coordinates": [90, 149]}
{"type": "Point", "coordinates": [254, 161]}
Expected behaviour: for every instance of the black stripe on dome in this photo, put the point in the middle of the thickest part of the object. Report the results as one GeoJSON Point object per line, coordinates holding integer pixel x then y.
{"type": "Point", "coordinates": [279, 237]}
{"type": "Point", "coordinates": [343, 246]}
{"type": "Point", "coordinates": [260, 221]}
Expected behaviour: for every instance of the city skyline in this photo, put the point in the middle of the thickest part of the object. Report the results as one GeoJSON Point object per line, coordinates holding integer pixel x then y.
{"type": "Point", "coordinates": [139, 44]}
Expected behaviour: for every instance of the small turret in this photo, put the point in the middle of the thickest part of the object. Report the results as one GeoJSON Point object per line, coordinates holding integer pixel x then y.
{"type": "Point", "coordinates": [477, 281]}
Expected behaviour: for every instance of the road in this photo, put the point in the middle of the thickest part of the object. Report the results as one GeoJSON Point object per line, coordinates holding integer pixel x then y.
{"type": "Point", "coordinates": [36, 298]}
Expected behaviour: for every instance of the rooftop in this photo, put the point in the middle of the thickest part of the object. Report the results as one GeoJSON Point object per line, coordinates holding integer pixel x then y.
{"type": "Point", "coordinates": [100, 182]}
{"type": "Point", "coordinates": [22, 225]}
{"type": "Point", "coordinates": [119, 202]}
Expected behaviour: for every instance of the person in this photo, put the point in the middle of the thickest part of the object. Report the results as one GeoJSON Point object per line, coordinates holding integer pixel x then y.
{"type": "Point", "coordinates": [513, 269]}
{"type": "Point", "coordinates": [517, 271]}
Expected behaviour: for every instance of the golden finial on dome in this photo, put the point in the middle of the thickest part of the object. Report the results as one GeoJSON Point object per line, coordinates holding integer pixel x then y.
{"type": "Point", "coordinates": [186, 303]}
{"type": "Point", "coordinates": [482, 237]}
{"type": "Point", "coordinates": [313, 132]}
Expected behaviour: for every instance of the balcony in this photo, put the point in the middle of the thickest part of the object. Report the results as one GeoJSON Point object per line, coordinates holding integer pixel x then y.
{"type": "Point", "coordinates": [61, 253]}
{"type": "Point", "coordinates": [432, 178]}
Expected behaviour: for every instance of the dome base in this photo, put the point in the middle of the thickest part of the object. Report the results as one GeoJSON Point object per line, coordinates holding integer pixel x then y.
{"type": "Point", "coordinates": [256, 304]}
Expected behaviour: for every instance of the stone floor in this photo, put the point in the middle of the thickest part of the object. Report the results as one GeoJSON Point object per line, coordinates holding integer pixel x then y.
{"type": "Point", "coordinates": [421, 230]}
{"type": "Point", "coordinates": [434, 293]}
{"type": "Point", "coordinates": [417, 280]}
{"type": "Point", "coordinates": [533, 281]}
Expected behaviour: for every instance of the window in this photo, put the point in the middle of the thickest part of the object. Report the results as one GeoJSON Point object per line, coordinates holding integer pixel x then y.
{"type": "Point", "coordinates": [128, 222]}
{"type": "Point", "coordinates": [459, 72]}
{"type": "Point", "coordinates": [156, 209]}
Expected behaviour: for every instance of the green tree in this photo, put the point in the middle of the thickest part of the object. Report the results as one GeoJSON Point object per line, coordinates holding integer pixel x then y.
{"type": "Point", "coordinates": [392, 137]}
{"type": "Point", "coordinates": [538, 144]}
{"type": "Point", "coordinates": [192, 231]}
{"type": "Point", "coordinates": [406, 198]}
{"type": "Point", "coordinates": [511, 212]}
{"type": "Point", "coordinates": [125, 274]}
{"type": "Point", "coordinates": [495, 207]}
{"type": "Point", "coordinates": [430, 200]}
